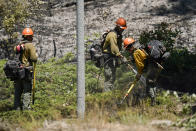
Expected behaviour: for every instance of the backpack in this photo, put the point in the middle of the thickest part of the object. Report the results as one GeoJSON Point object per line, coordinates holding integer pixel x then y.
{"type": "Point", "coordinates": [96, 50]}
{"type": "Point", "coordinates": [155, 50]}
{"type": "Point", "coordinates": [13, 71]}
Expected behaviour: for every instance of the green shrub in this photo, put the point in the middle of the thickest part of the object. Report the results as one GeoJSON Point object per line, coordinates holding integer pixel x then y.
{"type": "Point", "coordinates": [124, 77]}
{"type": "Point", "coordinates": [179, 65]}
{"type": "Point", "coordinates": [189, 122]}
{"type": "Point", "coordinates": [56, 96]}
{"type": "Point", "coordinates": [162, 32]}
{"type": "Point", "coordinates": [180, 61]}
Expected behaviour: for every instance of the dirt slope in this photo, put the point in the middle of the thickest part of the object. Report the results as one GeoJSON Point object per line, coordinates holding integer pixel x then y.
{"type": "Point", "coordinates": [58, 21]}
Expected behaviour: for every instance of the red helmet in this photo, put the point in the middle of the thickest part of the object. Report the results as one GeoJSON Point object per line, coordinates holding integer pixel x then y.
{"type": "Point", "coordinates": [128, 41]}
{"type": "Point", "coordinates": [121, 22]}
{"type": "Point", "coordinates": [27, 31]}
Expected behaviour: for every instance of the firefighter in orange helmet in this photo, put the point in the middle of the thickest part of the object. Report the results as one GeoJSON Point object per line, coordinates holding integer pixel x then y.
{"type": "Point", "coordinates": [145, 63]}
{"type": "Point", "coordinates": [111, 49]}
{"type": "Point", "coordinates": [121, 22]}
{"type": "Point", "coordinates": [139, 54]}
{"type": "Point", "coordinates": [28, 58]}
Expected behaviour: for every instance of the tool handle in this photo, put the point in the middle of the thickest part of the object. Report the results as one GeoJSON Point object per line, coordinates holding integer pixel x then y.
{"type": "Point", "coordinates": [33, 90]}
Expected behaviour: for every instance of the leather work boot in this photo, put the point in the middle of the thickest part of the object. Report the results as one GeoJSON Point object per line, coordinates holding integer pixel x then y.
{"type": "Point", "coordinates": [153, 101]}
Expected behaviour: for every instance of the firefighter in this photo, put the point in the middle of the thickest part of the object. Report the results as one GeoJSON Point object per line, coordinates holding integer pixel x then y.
{"type": "Point", "coordinates": [111, 49]}
{"type": "Point", "coordinates": [28, 58]}
{"type": "Point", "coordinates": [143, 60]}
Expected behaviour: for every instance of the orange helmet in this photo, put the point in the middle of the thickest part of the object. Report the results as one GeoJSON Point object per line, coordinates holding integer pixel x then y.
{"type": "Point", "coordinates": [27, 31]}
{"type": "Point", "coordinates": [128, 41]}
{"type": "Point", "coordinates": [121, 22]}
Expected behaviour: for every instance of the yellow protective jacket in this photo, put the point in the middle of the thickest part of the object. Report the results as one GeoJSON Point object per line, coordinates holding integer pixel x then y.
{"type": "Point", "coordinates": [29, 55]}
{"type": "Point", "coordinates": [113, 44]}
{"type": "Point", "coordinates": [140, 56]}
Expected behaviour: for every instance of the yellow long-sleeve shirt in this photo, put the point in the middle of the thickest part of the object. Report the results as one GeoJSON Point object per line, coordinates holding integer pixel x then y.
{"type": "Point", "coordinates": [28, 55]}
{"type": "Point", "coordinates": [112, 44]}
{"type": "Point", "coordinates": [139, 56]}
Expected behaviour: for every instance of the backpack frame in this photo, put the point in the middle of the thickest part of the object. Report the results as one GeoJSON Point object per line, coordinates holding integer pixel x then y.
{"type": "Point", "coordinates": [155, 50]}
{"type": "Point", "coordinates": [96, 50]}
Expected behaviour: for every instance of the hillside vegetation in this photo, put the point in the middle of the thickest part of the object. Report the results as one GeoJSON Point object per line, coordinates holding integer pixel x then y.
{"type": "Point", "coordinates": [55, 99]}
{"type": "Point", "coordinates": [170, 21]}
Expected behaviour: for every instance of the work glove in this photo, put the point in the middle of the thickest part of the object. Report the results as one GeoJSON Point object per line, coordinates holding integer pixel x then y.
{"type": "Point", "coordinates": [160, 66]}
{"type": "Point", "coordinates": [124, 60]}
{"type": "Point", "coordinates": [166, 56]}
{"type": "Point", "coordinates": [137, 77]}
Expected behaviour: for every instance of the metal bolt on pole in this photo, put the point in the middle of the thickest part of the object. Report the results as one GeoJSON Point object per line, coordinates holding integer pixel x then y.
{"type": "Point", "coordinates": [80, 60]}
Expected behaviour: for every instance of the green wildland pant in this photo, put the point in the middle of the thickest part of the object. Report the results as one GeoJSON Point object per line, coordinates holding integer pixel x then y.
{"type": "Point", "coordinates": [110, 73]}
{"type": "Point", "coordinates": [25, 87]}
{"type": "Point", "coordinates": [151, 77]}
